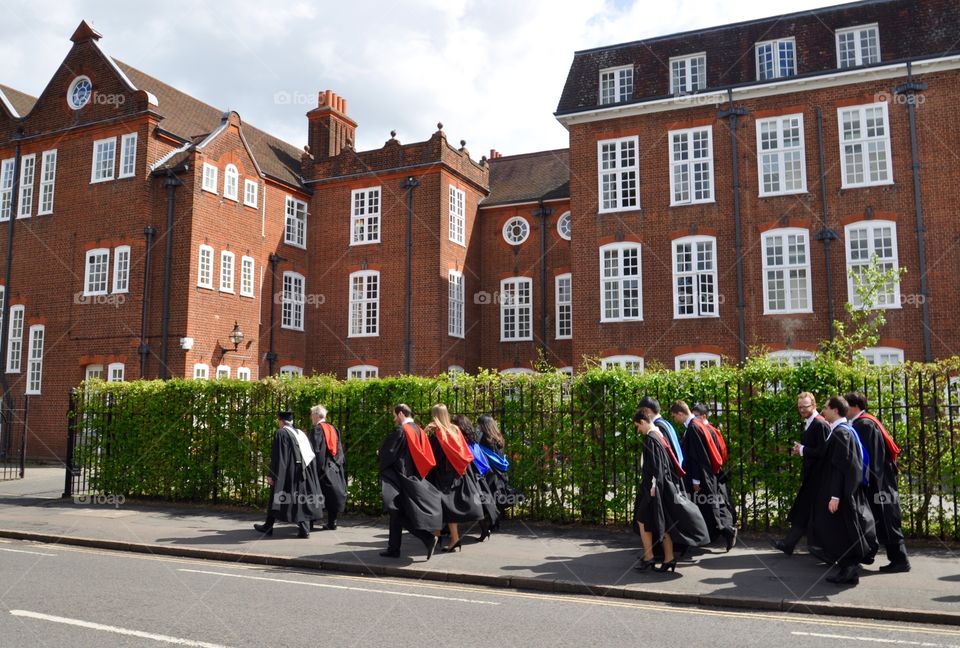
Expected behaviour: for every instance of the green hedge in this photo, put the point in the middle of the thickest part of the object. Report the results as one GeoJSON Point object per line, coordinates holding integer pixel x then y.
{"type": "Point", "coordinates": [571, 442]}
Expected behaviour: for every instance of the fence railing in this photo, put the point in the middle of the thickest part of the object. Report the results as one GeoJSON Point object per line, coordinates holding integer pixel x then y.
{"type": "Point", "coordinates": [13, 437]}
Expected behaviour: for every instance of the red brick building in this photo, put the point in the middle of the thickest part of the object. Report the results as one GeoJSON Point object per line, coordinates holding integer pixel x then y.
{"type": "Point", "coordinates": [712, 178]}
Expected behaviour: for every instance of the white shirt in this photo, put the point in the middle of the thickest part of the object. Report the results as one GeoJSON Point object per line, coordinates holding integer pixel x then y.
{"type": "Point", "coordinates": [859, 414]}
{"type": "Point", "coordinates": [811, 419]}
{"type": "Point", "coordinates": [405, 421]}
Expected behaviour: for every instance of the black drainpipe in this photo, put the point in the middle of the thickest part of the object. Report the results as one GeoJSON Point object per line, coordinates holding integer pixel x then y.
{"type": "Point", "coordinates": [910, 90]}
{"type": "Point", "coordinates": [409, 184]}
{"type": "Point", "coordinates": [543, 213]}
{"type": "Point", "coordinates": [171, 183]}
{"type": "Point", "coordinates": [6, 414]}
{"type": "Point", "coordinates": [144, 348]}
{"type": "Point", "coordinates": [732, 113]}
{"type": "Point", "coordinates": [825, 234]}
{"type": "Point", "coordinates": [272, 353]}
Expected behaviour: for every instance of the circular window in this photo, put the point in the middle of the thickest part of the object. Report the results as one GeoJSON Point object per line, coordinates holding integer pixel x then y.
{"type": "Point", "coordinates": [80, 91]}
{"type": "Point", "coordinates": [516, 230]}
{"type": "Point", "coordinates": [564, 226]}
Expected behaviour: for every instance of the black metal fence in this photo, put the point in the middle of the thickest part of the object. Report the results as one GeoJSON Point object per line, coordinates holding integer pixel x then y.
{"type": "Point", "coordinates": [13, 438]}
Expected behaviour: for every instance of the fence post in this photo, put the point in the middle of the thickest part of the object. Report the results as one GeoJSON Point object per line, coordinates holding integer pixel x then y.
{"type": "Point", "coordinates": [71, 441]}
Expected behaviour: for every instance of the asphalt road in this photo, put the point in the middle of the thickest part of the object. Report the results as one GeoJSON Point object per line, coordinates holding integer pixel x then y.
{"type": "Point", "coordinates": [53, 595]}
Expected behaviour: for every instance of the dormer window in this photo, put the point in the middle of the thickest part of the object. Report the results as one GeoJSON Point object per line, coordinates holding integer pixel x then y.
{"type": "Point", "coordinates": [776, 59]}
{"type": "Point", "coordinates": [858, 46]}
{"type": "Point", "coordinates": [616, 84]}
{"type": "Point", "coordinates": [688, 74]}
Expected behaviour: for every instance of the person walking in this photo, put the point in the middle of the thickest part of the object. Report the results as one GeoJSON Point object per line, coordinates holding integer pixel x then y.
{"type": "Point", "coordinates": [326, 443]}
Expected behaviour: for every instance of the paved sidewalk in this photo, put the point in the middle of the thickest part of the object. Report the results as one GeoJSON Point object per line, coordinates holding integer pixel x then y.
{"type": "Point", "coordinates": [542, 557]}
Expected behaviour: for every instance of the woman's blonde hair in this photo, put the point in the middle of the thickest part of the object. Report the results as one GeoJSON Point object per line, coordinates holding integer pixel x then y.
{"type": "Point", "coordinates": [442, 417]}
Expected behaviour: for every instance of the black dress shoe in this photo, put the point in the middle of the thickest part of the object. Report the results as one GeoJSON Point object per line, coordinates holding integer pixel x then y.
{"type": "Point", "coordinates": [330, 526]}
{"type": "Point", "coordinates": [265, 529]}
{"type": "Point", "coordinates": [304, 531]}
{"type": "Point", "coordinates": [896, 567]}
{"type": "Point", "coordinates": [780, 545]}
{"type": "Point", "coordinates": [846, 576]}
{"type": "Point", "coordinates": [389, 553]}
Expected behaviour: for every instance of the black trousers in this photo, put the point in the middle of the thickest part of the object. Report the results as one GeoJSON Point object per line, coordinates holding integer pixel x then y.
{"type": "Point", "coordinates": [897, 552]}
{"type": "Point", "coordinates": [793, 537]}
{"type": "Point", "coordinates": [397, 524]}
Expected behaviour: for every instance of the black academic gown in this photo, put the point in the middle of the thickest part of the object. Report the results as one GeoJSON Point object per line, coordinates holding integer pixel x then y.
{"type": "Point", "coordinates": [497, 480]}
{"type": "Point", "coordinates": [847, 536]}
{"type": "Point", "coordinates": [712, 499]}
{"type": "Point", "coordinates": [404, 492]}
{"type": "Point", "coordinates": [295, 495]}
{"type": "Point", "coordinates": [814, 441]}
{"type": "Point", "coordinates": [459, 494]}
{"type": "Point", "coordinates": [330, 470]}
{"type": "Point", "coordinates": [883, 494]}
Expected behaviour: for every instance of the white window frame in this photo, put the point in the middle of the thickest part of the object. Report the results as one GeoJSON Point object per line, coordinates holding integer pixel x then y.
{"type": "Point", "coordinates": [517, 371]}
{"type": "Point", "coordinates": [103, 253]}
{"type": "Point", "coordinates": [121, 269]}
{"type": "Point", "coordinates": [7, 168]}
{"type": "Point", "coordinates": [513, 304]}
{"type": "Point", "coordinates": [456, 304]}
{"type": "Point", "coordinates": [893, 301]}
{"type": "Point", "coordinates": [295, 226]}
{"type": "Point", "coordinates": [35, 361]}
{"type": "Point", "coordinates": [28, 174]}
{"type": "Point", "coordinates": [48, 181]}
{"type": "Point", "coordinates": [292, 301]}
{"type": "Point", "coordinates": [247, 276]}
{"type": "Point", "coordinates": [857, 32]}
{"type": "Point", "coordinates": [563, 298]}
{"type": "Point", "coordinates": [289, 371]}
{"type": "Point", "coordinates": [791, 357]}
{"type": "Point", "coordinates": [778, 72]}
{"type": "Point", "coordinates": [619, 174]}
{"type": "Point", "coordinates": [244, 373]}
{"type": "Point", "coordinates": [623, 362]}
{"type": "Point", "coordinates": [453, 370]}
{"type": "Point", "coordinates": [15, 338]}
{"type": "Point", "coordinates": [567, 218]}
{"type": "Point", "coordinates": [686, 61]}
{"type": "Point", "coordinates": [363, 372]}
{"type": "Point", "coordinates": [705, 304]}
{"type": "Point", "coordinates": [223, 371]}
{"type": "Point", "coordinates": [689, 164]}
{"type": "Point", "coordinates": [100, 172]}
{"type": "Point", "coordinates": [617, 281]}
{"type": "Point", "coordinates": [128, 156]}
{"type": "Point", "coordinates": [201, 371]}
{"type": "Point", "coordinates": [699, 360]}
{"type": "Point", "coordinates": [879, 356]}
{"type": "Point", "coordinates": [211, 175]}
{"type": "Point", "coordinates": [457, 222]}
{"type": "Point", "coordinates": [231, 183]}
{"type": "Point", "coordinates": [508, 227]}
{"type": "Point", "coordinates": [93, 371]}
{"type": "Point", "coordinates": [865, 142]}
{"type": "Point", "coordinates": [228, 265]}
{"type": "Point", "coordinates": [115, 372]}
{"type": "Point", "coordinates": [786, 267]}
{"type": "Point", "coordinates": [251, 192]}
{"type": "Point", "coordinates": [780, 154]}
{"type": "Point", "coordinates": [363, 309]}
{"type": "Point", "coordinates": [365, 209]}
{"type": "Point", "coordinates": [205, 261]}
{"type": "Point", "coordinates": [616, 87]}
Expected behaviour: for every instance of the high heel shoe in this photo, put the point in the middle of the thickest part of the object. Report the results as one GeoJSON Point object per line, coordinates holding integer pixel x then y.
{"type": "Point", "coordinates": [453, 547]}
{"type": "Point", "coordinates": [484, 533]}
{"type": "Point", "coordinates": [667, 566]}
{"type": "Point", "coordinates": [644, 565]}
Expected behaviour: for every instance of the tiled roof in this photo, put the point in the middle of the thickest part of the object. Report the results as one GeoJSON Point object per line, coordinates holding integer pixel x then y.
{"type": "Point", "coordinates": [532, 176]}
{"type": "Point", "coordinates": [21, 102]}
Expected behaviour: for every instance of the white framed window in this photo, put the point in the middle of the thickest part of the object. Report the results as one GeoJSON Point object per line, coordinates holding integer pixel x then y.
{"type": "Point", "coordinates": [247, 266]}
{"type": "Point", "coordinates": [28, 170]}
{"type": "Point", "coordinates": [688, 74]}
{"type": "Point", "coordinates": [293, 298]}
{"type": "Point", "coordinates": [35, 360]}
{"type": "Point", "coordinates": [566, 370]}
{"type": "Point", "coordinates": [691, 166]}
{"type": "Point", "coordinates": [364, 303]}
{"type": "Point", "coordinates": [791, 357]}
{"type": "Point", "coordinates": [128, 155]}
{"type": "Point", "coordinates": [48, 180]}
{"type": "Point", "coordinates": [3, 298]}
{"type": "Point", "coordinates": [115, 372]}
{"type": "Point", "coordinates": [121, 269]}
{"type": "Point", "coordinates": [516, 230]}
{"type": "Point", "coordinates": [15, 339]}
{"type": "Point", "coordinates": [96, 272]}
{"type": "Point", "coordinates": [295, 223]}
{"type": "Point", "coordinates": [244, 373]}
{"type": "Point", "coordinates": [565, 226]}
{"type": "Point", "coordinates": [781, 166]}
{"type": "Point", "coordinates": [516, 309]}
{"type": "Point", "coordinates": [517, 371]}
{"type": "Point", "coordinates": [93, 372]}
{"type": "Point", "coordinates": [453, 370]}
{"type": "Point", "coordinates": [865, 145]}
{"type": "Point", "coordinates": [616, 84]}
{"type": "Point", "coordinates": [231, 184]}
{"type": "Point", "coordinates": [205, 267]}
{"type": "Point", "coordinates": [864, 241]}
{"type": "Point", "coordinates": [882, 356]}
{"type": "Point", "coordinates": [223, 371]}
{"type": "Point", "coordinates": [226, 271]}
{"type": "Point", "coordinates": [250, 191]}
{"type": "Point", "coordinates": [104, 160]}
{"type": "Point", "coordinates": [564, 297]}
{"type": "Point", "coordinates": [201, 371]}
{"type": "Point", "coordinates": [210, 178]}
{"type": "Point", "coordinates": [695, 277]}
{"type": "Point", "coordinates": [629, 363]}
{"type": "Point", "coordinates": [696, 361]}
{"type": "Point", "coordinates": [291, 371]}
{"type": "Point", "coordinates": [363, 372]}
{"type": "Point", "coordinates": [6, 188]}
{"type": "Point", "coordinates": [365, 216]}
{"type": "Point", "coordinates": [620, 287]}
{"type": "Point", "coordinates": [456, 303]}
{"type": "Point", "coordinates": [786, 271]}
{"type": "Point", "coordinates": [618, 174]}
{"type": "Point", "coordinates": [858, 46]}
{"type": "Point", "coordinates": [776, 59]}
{"type": "Point", "coordinates": [457, 222]}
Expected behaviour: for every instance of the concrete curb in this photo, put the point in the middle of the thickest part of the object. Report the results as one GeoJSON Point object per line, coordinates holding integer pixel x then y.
{"type": "Point", "coordinates": [506, 582]}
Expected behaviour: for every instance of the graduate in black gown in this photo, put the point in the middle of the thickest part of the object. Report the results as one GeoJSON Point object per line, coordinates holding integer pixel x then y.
{"type": "Point", "coordinates": [295, 494]}
{"type": "Point", "coordinates": [662, 512]}
{"type": "Point", "coordinates": [459, 491]}
{"type": "Point", "coordinates": [492, 444]}
{"type": "Point", "coordinates": [882, 491]}
{"type": "Point", "coordinates": [406, 458]}
{"type": "Point", "coordinates": [702, 462]}
{"type": "Point", "coordinates": [326, 443]}
{"type": "Point", "coordinates": [480, 467]}
{"type": "Point", "coordinates": [842, 524]}
{"type": "Point", "coordinates": [813, 440]}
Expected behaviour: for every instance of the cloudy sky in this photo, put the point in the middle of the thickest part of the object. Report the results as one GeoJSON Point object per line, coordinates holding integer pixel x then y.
{"type": "Point", "coordinates": [490, 70]}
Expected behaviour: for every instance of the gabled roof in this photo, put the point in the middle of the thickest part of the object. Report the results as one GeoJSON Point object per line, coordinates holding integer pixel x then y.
{"type": "Point", "coordinates": [529, 177]}
{"type": "Point", "coordinates": [19, 101]}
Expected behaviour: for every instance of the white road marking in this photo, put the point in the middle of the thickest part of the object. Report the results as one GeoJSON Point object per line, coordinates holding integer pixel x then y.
{"type": "Point", "coordinates": [340, 587]}
{"type": "Point", "coordinates": [897, 642]}
{"type": "Point", "coordinates": [35, 553]}
{"type": "Point", "coordinates": [121, 631]}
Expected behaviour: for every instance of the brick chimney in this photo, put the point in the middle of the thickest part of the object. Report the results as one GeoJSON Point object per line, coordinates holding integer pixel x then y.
{"type": "Point", "coordinates": [329, 127]}
{"type": "Point", "coordinates": [494, 154]}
